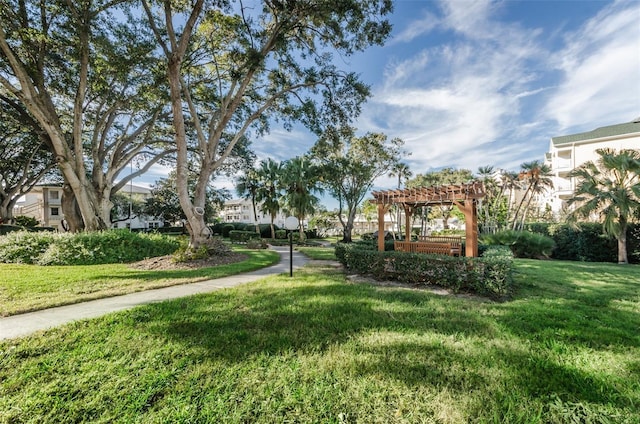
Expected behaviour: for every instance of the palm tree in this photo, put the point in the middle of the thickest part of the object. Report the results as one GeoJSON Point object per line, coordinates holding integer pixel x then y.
{"type": "Point", "coordinates": [485, 211]}
{"type": "Point", "coordinates": [537, 178]}
{"type": "Point", "coordinates": [610, 189]}
{"type": "Point", "coordinates": [402, 171]}
{"type": "Point", "coordinates": [300, 181]}
{"type": "Point", "coordinates": [247, 188]}
{"type": "Point", "coordinates": [508, 181]}
{"type": "Point", "coordinates": [268, 194]}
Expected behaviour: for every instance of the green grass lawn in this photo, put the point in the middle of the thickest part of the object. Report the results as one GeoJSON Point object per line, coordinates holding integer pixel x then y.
{"type": "Point", "coordinates": [316, 348]}
{"type": "Point", "coordinates": [319, 253]}
{"type": "Point", "coordinates": [25, 288]}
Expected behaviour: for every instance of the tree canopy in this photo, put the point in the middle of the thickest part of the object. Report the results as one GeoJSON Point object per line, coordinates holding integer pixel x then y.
{"type": "Point", "coordinates": [349, 165]}
{"type": "Point", "coordinates": [90, 82]}
{"type": "Point", "coordinates": [237, 68]}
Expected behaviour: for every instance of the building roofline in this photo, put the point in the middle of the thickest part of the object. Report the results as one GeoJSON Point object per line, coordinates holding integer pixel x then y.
{"type": "Point", "coordinates": [609, 131]}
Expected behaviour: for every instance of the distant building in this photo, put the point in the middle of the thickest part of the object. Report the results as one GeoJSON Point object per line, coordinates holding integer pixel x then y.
{"type": "Point", "coordinates": [241, 210]}
{"type": "Point", "coordinates": [44, 203]}
{"type": "Point", "coordinates": [568, 152]}
{"type": "Point", "coordinates": [136, 222]}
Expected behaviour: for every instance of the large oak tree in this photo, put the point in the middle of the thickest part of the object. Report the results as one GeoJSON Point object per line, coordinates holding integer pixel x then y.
{"type": "Point", "coordinates": [236, 67]}
{"type": "Point", "coordinates": [88, 79]}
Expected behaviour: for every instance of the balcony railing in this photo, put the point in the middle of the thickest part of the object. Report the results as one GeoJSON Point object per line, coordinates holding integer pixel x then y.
{"type": "Point", "coordinates": [563, 163]}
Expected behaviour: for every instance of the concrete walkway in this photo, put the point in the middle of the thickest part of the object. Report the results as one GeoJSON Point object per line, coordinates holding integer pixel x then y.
{"type": "Point", "coordinates": [25, 324]}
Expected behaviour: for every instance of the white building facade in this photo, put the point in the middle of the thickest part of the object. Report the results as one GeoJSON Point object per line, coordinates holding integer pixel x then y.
{"type": "Point", "coordinates": [568, 152]}
{"type": "Point", "coordinates": [241, 210]}
{"type": "Point", "coordinates": [44, 203]}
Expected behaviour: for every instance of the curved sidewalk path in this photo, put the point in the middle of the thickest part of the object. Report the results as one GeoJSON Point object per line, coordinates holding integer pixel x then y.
{"type": "Point", "coordinates": [25, 324]}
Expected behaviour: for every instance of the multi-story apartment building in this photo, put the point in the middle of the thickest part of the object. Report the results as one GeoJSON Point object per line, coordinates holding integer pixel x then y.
{"type": "Point", "coordinates": [43, 202]}
{"type": "Point", "coordinates": [568, 152]}
{"type": "Point", "coordinates": [241, 210]}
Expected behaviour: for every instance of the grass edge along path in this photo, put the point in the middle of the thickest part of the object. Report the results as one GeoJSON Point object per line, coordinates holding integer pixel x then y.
{"type": "Point", "coordinates": [28, 288]}
{"type": "Point", "coordinates": [316, 348]}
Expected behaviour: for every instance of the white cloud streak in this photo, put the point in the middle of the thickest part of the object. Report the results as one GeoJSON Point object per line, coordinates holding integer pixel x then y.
{"type": "Point", "coordinates": [601, 71]}
{"type": "Point", "coordinates": [496, 92]}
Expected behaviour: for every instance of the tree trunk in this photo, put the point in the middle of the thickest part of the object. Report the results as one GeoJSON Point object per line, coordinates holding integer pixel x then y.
{"type": "Point", "coordinates": [70, 210]}
{"type": "Point", "coordinates": [301, 227]}
{"type": "Point", "coordinates": [446, 214]}
{"type": "Point", "coordinates": [273, 230]}
{"type": "Point", "coordinates": [105, 209]}
{"type": "Point", "coordinates": [622, 243]}
{"type": "Point", "coordinates": [6, 210]}
{"type": "Point", "coordinates": [255, 214]}
{"type": "Point", "coordinates": [348, 227]}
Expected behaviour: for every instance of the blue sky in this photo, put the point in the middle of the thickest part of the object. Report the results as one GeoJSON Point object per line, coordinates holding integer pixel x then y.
{"type": "Point", "coordinates": [473, 83]}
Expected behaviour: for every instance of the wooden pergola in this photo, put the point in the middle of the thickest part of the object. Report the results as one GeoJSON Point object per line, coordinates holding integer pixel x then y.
{"type": "Point", "coordinates": [464, 196]}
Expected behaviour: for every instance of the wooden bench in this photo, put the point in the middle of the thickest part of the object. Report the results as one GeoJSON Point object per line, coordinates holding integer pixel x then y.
{"type": "Point", "coordinates": [438, 248]}
{"type": "Point", "coordinates": [455, 242]}
{"type": "Point", "coordinates": [404, 246]}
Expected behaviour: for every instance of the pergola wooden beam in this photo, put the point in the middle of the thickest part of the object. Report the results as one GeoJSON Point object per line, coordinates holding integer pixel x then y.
{"type": "Point", "coordinates": [464, 196]}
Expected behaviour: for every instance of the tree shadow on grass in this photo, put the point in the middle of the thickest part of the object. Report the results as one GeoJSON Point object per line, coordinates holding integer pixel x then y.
{"type": "Point", "coordinates": [592, 305]}
{"type": "Point", "coordinates": [309, 318]}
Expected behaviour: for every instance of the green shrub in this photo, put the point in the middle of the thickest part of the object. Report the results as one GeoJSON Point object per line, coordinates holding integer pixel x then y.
{"type": "Point", "coordinates": [237, 236]}
{"type": "Point", "coordinates": [116, 246]}
{"type": "Point", "coordinates": [6, 228]}
{"type": "Point", "coordinates": [587, 242]}
{"type": "Point", "coordinates": [170, 230]}
{"type": "Point", "coordinates": [256, 244]}
{"type": "Point", "coordinates": [213, 247]}
{"type": "Point", "coordinates": [226, 229]}
{"type": "Point", "coordinates": [281, 234]}
{"type": "Point", "coordinates": [26, 221]}
{"type": "Point", "coordinates": [42, 229]}
{"type": "Point", "coordinates": [265, 230]}
{"type": "Point", "coordinates": [523, 244]}
{"type": "Point", "coordinates": [497, 251]}
{"type": "Point", "coordinates": [24, 246]}
{"type": "Point", "coordinates": [492, 276]}
{"type": "Point", "coordinates": [45, 248]}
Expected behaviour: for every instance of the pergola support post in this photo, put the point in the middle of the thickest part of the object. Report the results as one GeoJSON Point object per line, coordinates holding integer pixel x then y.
{"type": "Point", "coordinates": [408, 212]}
{"type": "Point", "coordinates": [382, 210]}
{"type": "Point", "coordinates": [471, 227]}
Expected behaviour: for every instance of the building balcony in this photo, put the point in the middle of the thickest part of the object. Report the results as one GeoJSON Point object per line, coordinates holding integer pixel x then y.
{"type": "Point", "coordinates": [563, 164]}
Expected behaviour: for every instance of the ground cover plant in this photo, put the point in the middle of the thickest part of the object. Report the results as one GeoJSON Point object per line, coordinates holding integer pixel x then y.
{"type": "Point", "coordinates": [316, 348]}
{"type": "Point", "coordinates": [25, 288]}
{"type": "Point", "coordinates": [105, 247]}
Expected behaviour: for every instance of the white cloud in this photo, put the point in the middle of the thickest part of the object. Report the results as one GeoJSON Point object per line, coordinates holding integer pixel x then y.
{"type": "Point", "coordinates": [281, 144]}
{"type": "Point", "coordinates": [468, 17]}
{"type": "Point", "coordinates": [601, 71]}
{"type": "Point", "coordinates": [417, 28]}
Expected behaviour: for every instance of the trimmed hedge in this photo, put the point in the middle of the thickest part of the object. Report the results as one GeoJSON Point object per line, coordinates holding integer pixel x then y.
{"type": "Point", "coordinates": [6, 229]}
{"type": "Point", "coordinates": [236, 236]}
{"type": "Point", "coordinates": [223, 228]}
{"type": "Point", "coordinates": [116, 246]}
{"type": "Point", "coordinates": [490, 276]}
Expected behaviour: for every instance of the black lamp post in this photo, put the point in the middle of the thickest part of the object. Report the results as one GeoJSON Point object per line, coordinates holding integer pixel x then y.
{"type": "Point", "coordinates": [291, 223]}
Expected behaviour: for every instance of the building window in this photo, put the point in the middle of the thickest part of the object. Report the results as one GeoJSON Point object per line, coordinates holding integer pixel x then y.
{"type": "Point", "coordinates": [54, 195]}
{"type": "Point", "coordinates": [55, 211]}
